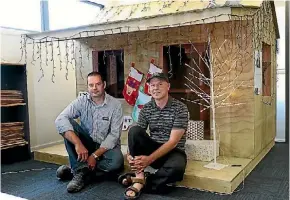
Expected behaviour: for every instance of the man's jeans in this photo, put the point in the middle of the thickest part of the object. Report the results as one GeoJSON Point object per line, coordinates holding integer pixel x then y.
{"type": "Point", "coordinates": [111, 161]}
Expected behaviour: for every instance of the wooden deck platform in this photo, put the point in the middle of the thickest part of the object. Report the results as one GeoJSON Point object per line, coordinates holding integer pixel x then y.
{"type": "Point", "coordinates": [197, 176]}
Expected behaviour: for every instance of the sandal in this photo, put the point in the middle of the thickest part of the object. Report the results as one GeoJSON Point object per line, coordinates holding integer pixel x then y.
{"type": "Point", "coordinates": [134, 189]}
{"type": "Point", "coordinates": [127, 177]}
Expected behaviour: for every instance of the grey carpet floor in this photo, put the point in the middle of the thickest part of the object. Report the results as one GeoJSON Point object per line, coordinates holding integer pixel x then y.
{"type": "Point", "coordinates": [269, 180]}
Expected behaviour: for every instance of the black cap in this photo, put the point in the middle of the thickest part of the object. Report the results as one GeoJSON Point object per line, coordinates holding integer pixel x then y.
{"type": "Point", "coordinates": [159, 76]}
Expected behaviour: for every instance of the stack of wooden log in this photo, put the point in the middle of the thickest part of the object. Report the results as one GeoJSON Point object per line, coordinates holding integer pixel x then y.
{"type": "Point", "coordinates": [11, 98]}
{"type": "Point", "coordinates": [12, 135]}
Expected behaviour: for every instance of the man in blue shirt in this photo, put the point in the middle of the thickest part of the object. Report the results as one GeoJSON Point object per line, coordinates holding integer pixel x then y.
{"type": "Point", "coordinates": [94, 144]}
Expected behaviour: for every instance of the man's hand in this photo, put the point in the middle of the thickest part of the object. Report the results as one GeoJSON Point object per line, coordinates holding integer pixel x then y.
{"type": "Point", "coordinates": [141, 162]}
{"type": "Point", "coordinates": [92, 162]}
{"type": "Point", "coordinates": [82, 152]}
{"type": "Point", "coordinates": [131, 162]}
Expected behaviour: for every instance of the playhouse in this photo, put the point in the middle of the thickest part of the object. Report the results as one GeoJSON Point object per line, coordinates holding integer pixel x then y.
{"type": "Point", "coordinates": [221, 60]}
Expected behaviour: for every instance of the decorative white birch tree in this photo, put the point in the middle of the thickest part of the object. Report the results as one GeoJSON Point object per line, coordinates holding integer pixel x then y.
{"type": "Point", "coordinates": [224, 66]}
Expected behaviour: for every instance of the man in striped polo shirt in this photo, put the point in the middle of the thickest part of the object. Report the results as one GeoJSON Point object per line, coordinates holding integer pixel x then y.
{"type": "Point", "coordinates": [164, 148]}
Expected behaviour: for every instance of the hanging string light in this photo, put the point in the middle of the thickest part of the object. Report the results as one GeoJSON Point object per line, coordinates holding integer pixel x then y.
{"type": "Point", "coordinates": [40, 62]}
{"type": "Point", "coordinates": [33, 49]}
{"type": "Point", "coordinates": [52, 60]}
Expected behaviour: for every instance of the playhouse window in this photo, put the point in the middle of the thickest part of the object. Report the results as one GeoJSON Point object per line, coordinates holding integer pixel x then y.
{"type": "Point", "coordinates": [178, 56]}
{"type": "Point", "coordinates": [111, 65]}
{"type": "Point", "coordinates": [266, 69]}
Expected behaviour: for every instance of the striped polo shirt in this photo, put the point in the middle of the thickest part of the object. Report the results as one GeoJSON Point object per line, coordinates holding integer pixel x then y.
{"type": "Point", "coordinates": [161, 121]}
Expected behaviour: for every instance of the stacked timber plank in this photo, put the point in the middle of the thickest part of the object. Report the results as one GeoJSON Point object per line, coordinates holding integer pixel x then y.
{"type": "Point", "coordinates": [11, 98]}
{"type": "Point", "coordinates": [12, 135]}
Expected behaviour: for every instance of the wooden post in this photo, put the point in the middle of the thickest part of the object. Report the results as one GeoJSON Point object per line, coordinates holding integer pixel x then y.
{"type": "Point", "coordinates": [95, 59]}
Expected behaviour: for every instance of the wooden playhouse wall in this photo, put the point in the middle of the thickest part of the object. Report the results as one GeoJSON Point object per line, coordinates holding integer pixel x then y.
{"type": "Point", "coordinates": [141, 47]}
{"type": "Point", "coordinates": [265, 114]}
{"type": "Point", "coordinates": [264, 31]}
{"type": "Point", "coordinates": [265, 106]}
{"type": "Point", "coordinates": [244, 139]}
{"type": "Point", "coordinates": [233, 52]}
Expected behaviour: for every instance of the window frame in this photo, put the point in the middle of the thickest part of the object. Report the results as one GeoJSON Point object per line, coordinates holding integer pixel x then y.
{"type": "Point", "coordinates": [266, 69]}
{"type": "Point", "coordinates": [97, 65]}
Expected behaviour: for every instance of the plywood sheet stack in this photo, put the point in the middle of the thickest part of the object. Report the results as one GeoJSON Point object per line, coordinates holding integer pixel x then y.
{"type": "Point", "coordinates": [11, 97]}
{"type": "Point", "coordinates": [12, 135]}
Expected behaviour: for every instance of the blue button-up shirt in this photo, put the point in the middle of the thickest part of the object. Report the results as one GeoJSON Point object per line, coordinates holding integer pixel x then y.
{"type": "Point", "coordinates": [102, 122]}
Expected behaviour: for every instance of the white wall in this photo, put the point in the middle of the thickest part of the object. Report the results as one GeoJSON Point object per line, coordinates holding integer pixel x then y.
{"type": "Point", "coordinates": [109, 3]}
{"type": "Point", "coordinates": [21, 14]}
{"type": "Point", "coordinates": [62, 14]}
{"type": "Point", "coordinates": [76, 14]}
{"type": "Point", "coordinates": [46, 99]}
{"type": "Point", "coordinates": [281, 114]}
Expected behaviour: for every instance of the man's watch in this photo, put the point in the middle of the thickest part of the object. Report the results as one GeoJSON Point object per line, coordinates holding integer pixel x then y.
{"type": "Point", "coordinates": [95, 156]}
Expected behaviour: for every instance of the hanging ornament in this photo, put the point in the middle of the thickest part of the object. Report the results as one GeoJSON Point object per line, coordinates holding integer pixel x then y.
{"type": "Point", "coordinates": [132, 85]}
{"type": "Point", "coordinates": [152, 69]}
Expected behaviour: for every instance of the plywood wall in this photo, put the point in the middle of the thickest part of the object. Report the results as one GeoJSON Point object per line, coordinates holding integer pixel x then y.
{"type": "Point", "coordinates": [265, 106]}
{"type": "Point", "coordinates": [233, 60]}
{"type": "Point", "coordinates": [140, 48]}
{"type": "Point", "coordinates": [264, 31]}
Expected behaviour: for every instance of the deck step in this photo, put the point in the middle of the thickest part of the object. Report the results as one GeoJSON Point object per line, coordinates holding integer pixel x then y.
{"type": "Point", "coordinates": [196, 176]}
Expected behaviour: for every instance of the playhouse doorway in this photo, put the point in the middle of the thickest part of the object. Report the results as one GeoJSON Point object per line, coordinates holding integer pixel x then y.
{"type": "Point", "coordinates": [111, 64]}
{"type": "Point", "coordinates": [175, 58]}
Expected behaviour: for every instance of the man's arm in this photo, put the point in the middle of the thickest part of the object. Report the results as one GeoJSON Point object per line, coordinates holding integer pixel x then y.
{"type": "Point", "coordinates": [65, 128]}
{"type": "Point", "coordinates": [143, 161]}
{"type": "Point", "coordinates": [142, 121]}
{"type": "Point", "coordinates": [175, 136]}
{"type": "Point", "coordinates": [115, 131]}
{"type": "Point", "coordinates": [72, 137]}
{"type": "Point", "coordinates": [62, 122]}
{"type": "Point", "coordinates": [178, 130]}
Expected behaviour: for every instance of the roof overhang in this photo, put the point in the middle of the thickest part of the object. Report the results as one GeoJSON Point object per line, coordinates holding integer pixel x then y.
{"type": "Point", "coordinates": [153, 22]}
{"type": "Point", "coordinates": [202, 16]}
{"type": "Point", "coordinates": [275, 19]}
